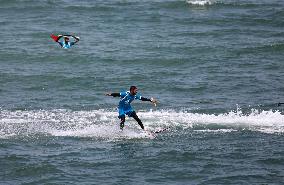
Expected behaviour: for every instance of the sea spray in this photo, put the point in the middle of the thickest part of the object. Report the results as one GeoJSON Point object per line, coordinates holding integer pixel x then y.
{"type": "Point", "coordinates": [104, 123]}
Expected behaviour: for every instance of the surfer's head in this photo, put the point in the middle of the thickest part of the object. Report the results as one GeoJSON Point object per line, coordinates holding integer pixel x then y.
{"type": "Point", "coordinates": [133, 90]}
{"type": "Point", "coordinates": [66, 39]}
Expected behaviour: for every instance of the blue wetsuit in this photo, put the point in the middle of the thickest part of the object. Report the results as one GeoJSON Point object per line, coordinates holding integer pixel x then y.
{"type": "Point", "coordinates": [124, 106]}
{"type": "Point", "coordinates": [66, 46]}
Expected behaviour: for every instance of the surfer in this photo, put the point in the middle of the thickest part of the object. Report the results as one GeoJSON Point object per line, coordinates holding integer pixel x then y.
{"type": "Point", "coordinates": [124, 107]}
{"type": "Point", "coordinates": [66, 43]}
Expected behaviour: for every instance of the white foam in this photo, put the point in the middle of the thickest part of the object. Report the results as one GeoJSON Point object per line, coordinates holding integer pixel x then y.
{"type": "Point", "coordinates": [199, 2]}
{"type": "Point", "coordinates": [101, 131]}
{"type": "Point", "coordinates": [218, 130]}
{"type": "Point", "coordinates": [105, 124]}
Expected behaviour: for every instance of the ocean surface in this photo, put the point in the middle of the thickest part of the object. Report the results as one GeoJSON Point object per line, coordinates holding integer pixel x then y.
{"type": "Point", "coordinates": [216, 68]}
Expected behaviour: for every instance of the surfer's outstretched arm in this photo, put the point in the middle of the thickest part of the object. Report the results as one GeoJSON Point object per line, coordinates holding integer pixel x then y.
{"type": "Point", "coordinates": [145, 99]}
{"type": "Point", "coordinates": [152, 100]}
{"type": "Point", "coordinates": [113, 94]}
{"type": "Point", "coordinates": [76, 39]}
{"type": "Point", "coordinates": [58, 38]}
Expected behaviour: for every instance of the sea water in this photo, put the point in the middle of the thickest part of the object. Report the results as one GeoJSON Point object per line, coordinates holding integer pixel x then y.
{"type": "Point", "coordinates": [215, 66]}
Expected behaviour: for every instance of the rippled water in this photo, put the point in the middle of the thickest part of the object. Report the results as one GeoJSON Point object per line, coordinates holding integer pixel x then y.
{"type": "Point", "coordinates": [215, 67]}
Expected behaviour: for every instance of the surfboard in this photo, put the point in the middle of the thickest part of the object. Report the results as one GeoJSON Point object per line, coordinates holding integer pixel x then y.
{"type": "Point", "coordinates": [54, 37]}
{"type": "Point", "coordinates": [154, 133]}
{"type": "Point", "coordinates": [160, 130]}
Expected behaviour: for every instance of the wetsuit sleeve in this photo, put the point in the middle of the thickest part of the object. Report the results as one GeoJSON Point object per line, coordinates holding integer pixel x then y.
{"type": "Point", "coordinates": [76, 39]}
{"type": "Point", "coordinates": [60, 43]}
{"type": "Point", "coordinates": [115, 94]}
{"type": "Point", "coordinates": [58, 38]}
{"type": "Point", "coordinates": [123, 94]}
{"type": "Point", "coordinates": [144, 99]}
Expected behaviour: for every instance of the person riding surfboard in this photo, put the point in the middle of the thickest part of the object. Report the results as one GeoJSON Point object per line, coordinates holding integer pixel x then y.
{"type": "Point", "coordinates": [124, 107]}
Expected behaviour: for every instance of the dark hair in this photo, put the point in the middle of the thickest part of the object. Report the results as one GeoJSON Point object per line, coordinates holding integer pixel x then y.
{"type": "Point", "coordinates": [132, 88]}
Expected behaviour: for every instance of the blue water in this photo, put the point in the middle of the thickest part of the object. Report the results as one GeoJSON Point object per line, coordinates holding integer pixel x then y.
{"type": "Point", "coordinates": [216, 68]}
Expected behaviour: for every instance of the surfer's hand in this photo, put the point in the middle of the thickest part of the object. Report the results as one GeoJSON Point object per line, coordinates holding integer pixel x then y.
{"type": "Point", "coordinates": [154, 101]}
{"type": "Point", "coordinates": [108, 94]}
